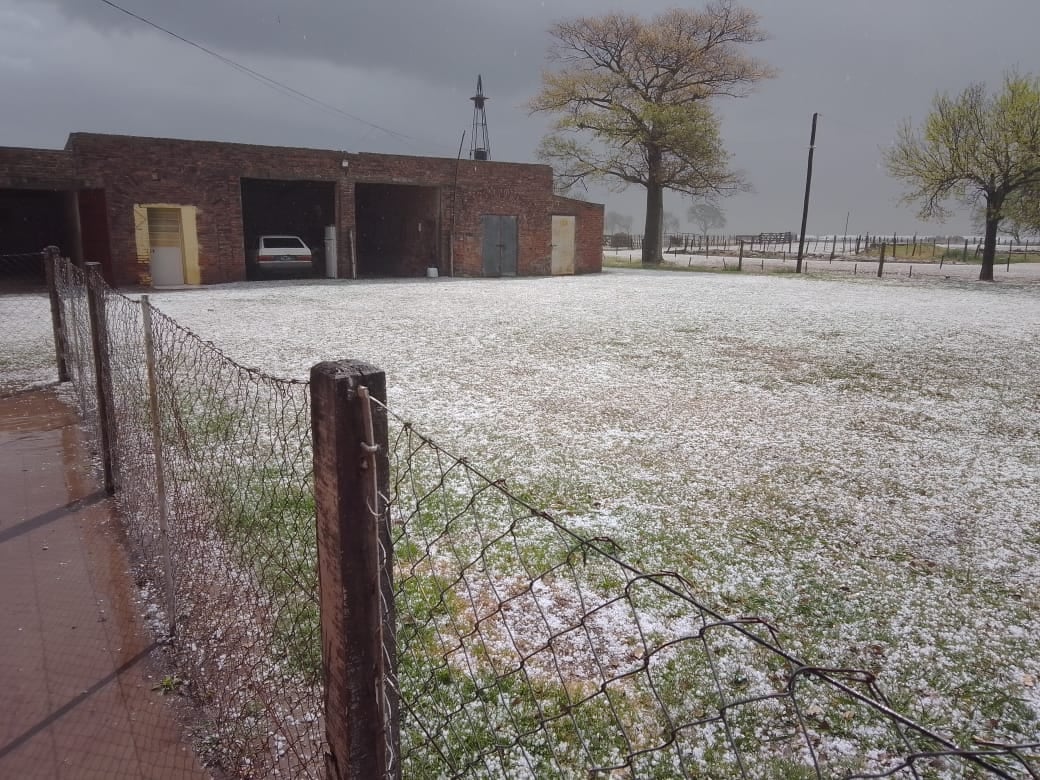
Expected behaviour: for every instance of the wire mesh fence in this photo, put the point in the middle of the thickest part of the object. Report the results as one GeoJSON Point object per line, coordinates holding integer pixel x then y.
{"type": "Point", "coordinates": [512, 645]}
{"type": "Point", "coordinates": [216, 490]}
{"type": "Point", "coordinates": [71, 283]}
{"type": "Point", "coordinates": [527, 650]}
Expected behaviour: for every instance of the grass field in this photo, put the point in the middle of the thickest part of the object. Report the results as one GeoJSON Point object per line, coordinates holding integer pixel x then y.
{"type": "Point", "coordinates": [857, 461]}
{"type": "Point", "coordinates": [926, 253]}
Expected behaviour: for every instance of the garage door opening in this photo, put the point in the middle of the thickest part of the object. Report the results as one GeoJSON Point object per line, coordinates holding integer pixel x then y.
{"type": "Point", "coordinates": [397, 228]}
{"type": "Point", "coordinates": [272, 207]}
{"type": "Point", "coordinates": [29, 221]}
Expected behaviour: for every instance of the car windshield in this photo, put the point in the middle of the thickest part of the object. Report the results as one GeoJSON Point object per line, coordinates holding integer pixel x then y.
{"type": "Point", "coordinates": [282, 242]}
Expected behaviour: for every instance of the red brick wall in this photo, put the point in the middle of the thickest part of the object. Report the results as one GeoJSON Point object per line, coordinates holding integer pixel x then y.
{"type": "Point", "coordinates": [208, 175]}
{"type": "Point", "coordinates": [588, 232]}
{"type": "Point", "coordinates": [203, 174]}
{"type": "Point", "coordinates": [486, 187]}
{"type": "Point", "coordinates": [36, 169]}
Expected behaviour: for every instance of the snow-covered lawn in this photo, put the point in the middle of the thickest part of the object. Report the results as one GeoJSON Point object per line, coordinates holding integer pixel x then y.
{"type": "Point", "coordinates": [856, 460]}
{"type": "Point", "coordinates": [26, 347]}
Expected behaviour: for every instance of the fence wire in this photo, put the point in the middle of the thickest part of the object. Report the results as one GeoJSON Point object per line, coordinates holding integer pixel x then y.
{"type": "Point", "coordinates": [235, 453]}
{"type": "Point", "coordinates": [516, 648]}
{"type": "Point", "coordinates": [527, 650]}
{"type": "Point", "coordinates": [71, 283]}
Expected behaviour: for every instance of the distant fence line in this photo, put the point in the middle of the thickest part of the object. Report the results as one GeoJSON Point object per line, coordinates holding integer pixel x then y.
{"type": "Point", "coordinates": [901, 246]}
{"type": "Point", "coordinates": [348, 599]}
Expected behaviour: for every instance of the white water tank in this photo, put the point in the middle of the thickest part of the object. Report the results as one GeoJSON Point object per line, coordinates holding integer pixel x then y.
{"type": "Point", "coordinates": [331, 261]}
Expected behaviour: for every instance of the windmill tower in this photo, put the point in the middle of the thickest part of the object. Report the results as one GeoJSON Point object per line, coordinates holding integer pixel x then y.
{"type": "Point", "coordinates": [480, 146]}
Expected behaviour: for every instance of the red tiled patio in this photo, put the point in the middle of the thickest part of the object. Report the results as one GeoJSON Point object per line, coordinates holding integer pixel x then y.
{"type": "Point", "coordinates": [77, 682]}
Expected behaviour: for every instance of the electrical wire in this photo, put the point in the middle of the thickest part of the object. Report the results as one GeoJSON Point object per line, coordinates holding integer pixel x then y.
{"type": "Point", "coordinates": [285, 89]}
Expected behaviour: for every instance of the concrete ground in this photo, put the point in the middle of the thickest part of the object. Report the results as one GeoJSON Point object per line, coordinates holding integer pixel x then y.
{"type": "Point", "coordinates": [79, 693]}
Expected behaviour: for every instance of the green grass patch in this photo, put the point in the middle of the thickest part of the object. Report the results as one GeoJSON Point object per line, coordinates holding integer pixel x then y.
{"type": "Point", "coordinates": [923, 254]}
{"type": "Point", "coordinates": [614, 261]}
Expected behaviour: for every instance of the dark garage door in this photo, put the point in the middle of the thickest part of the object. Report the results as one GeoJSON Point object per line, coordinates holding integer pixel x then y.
{"type": "Point", "coordinates": [499, 247]}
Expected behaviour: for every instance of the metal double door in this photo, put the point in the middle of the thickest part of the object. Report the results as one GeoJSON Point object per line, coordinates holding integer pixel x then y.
{"type": "Point", "coordinates": [499, 245]}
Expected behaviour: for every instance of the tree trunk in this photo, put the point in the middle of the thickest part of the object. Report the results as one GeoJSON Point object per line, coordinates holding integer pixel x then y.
{"type": "Point", "coordinates": [654, 222]}
{"type": "Point", "coordinates": [654, 208]}
{"type": "Point", "coordinates": [989, 246]}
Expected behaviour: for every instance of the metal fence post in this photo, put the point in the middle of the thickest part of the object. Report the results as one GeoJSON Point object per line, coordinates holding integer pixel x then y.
{"type": "Point", "coordinates": [102, 375]}
{"type": "Point", "coordinates": [160, 476]}
{"type": "Point", "coordinates": [351, 480]}
{"type": "Point", "coordinates": [51, 255]}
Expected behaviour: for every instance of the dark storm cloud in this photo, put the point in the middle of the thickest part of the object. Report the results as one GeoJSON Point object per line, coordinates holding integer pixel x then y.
{"type": "Point", "coordinates": [438, 41]}
{"type": "Point", "coordinates": [410, 65]}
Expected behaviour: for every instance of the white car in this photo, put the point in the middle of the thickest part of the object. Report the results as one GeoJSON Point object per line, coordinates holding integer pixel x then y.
{"type": "Point", "coordinates": [283, 254]}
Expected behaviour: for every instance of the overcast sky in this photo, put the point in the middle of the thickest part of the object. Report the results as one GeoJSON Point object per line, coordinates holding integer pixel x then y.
{"type": "Point", "coordinates": [409, 67]}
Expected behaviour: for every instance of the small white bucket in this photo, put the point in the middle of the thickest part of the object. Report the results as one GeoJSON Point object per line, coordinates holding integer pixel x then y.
{"type": "Point", "coordinates": [431, 272]}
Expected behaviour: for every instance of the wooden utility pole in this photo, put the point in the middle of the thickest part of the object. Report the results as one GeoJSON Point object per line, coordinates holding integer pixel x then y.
{"type": "Point", "coordinates": [808, 187]}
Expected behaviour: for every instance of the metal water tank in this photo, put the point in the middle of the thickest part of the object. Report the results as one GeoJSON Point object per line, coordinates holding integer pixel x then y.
{"type": "Point", "coordinates": [331, 260]}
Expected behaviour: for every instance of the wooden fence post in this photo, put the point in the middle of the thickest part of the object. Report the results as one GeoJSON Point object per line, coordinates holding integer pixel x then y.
{"type": "Point", "coordinates": [740, 257]}
{"type": "Point", "coordinates": [355, 564]}
{"type": "Point", "coordinates": [160, 471]}
{"type": "Point", "coordinates": [51, 255]}
{"type": "Point", "coordinates": [102, 374]}
{"type": "Point", "coordinates": [881, 262]}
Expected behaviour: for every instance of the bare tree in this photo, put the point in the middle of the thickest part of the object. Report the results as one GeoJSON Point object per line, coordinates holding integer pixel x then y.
{"type": "Point", "coordinates": [614, 221]}
{"type": "Point", "coordinates": [706, 216]}
{"type": "Point", "coordinates": [633, 99]}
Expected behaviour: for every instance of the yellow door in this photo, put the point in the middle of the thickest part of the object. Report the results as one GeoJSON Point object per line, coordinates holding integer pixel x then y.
{"type": "Point", "coordinates": [562, 245]}
{"type": "Point", "coordinates": [167, 247]}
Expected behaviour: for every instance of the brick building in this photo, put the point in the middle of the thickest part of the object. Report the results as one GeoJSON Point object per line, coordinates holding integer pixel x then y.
{"type": "Point", "coordinates": [176, 211]}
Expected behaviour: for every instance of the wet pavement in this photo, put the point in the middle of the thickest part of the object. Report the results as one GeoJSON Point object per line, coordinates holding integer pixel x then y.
{"type": "Point", "coordinates": [78, 695]}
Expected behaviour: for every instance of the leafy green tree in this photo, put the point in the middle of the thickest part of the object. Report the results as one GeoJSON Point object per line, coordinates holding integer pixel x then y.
{"type": "Point", "coordinates": [633, 102]}
{"type": "Point", "coordinates": [977, 149]}
{"type": "Point", "coordinates": [1023, 212]}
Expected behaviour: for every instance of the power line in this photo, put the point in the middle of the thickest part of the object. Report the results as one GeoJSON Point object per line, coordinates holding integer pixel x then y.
{"type": "Point", "coordinates": [285, 89]}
